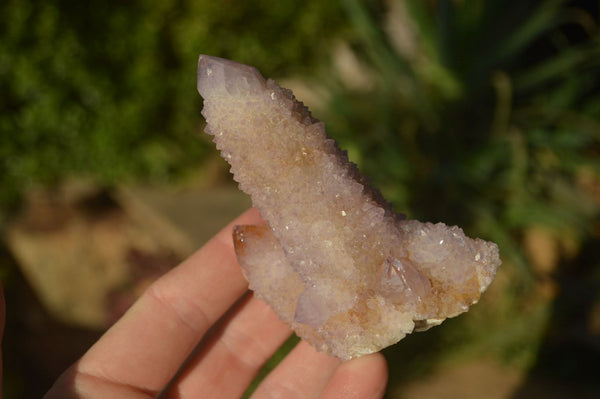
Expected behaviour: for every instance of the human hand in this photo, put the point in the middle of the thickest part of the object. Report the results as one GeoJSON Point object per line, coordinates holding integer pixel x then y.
{"type": "Point", "coordinates": [197, 333]}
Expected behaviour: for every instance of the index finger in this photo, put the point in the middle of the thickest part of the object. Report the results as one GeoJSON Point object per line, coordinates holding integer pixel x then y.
{"type": "Point", "coordinates": [146, 347]}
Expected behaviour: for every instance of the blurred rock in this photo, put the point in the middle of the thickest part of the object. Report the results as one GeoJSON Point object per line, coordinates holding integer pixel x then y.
{"type": "Point", "coordinates": [542, 250]}
{"type": "Point", "coordinates": [88, 252]}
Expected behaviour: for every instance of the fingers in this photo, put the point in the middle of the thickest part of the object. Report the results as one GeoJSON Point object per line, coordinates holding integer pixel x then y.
{"type": "Point", "coordinates": [304, 373]}
{"type": "Point", "coordinates": [232, 354]}
{"type": "Point", "coordinates": [362, 378]}
{"type": "Point", "coordinates": [141, 353]}
{"type": "Point", "coordinates": [308, 374]}
{"type": "Point", "coordinates": [148, 345]}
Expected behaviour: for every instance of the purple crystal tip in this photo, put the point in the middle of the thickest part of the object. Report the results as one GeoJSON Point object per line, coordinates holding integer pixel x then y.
{"type": "Point", "coordinates": [218, 76]}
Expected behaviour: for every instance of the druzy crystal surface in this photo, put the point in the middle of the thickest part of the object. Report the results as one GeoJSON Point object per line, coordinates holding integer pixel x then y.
{"type": "Point", "coordinates": [333, 261]}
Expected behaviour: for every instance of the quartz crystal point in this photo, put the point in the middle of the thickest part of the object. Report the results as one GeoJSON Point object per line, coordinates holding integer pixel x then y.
{"type": "Point", "coordinates": [334, 262]}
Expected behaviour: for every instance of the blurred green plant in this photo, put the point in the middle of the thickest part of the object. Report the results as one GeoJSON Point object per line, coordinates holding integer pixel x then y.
{"type": "Point", "coordinates": [107, 89]}
{"type": "Point", "coordinates": [484, 114]}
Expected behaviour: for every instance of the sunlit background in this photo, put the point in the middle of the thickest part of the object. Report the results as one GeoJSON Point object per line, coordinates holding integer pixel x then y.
{"type": "Point", "coordinates": [484, 114]}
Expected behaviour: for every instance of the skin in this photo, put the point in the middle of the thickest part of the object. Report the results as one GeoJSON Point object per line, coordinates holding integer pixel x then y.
{"type": "Point", "coordinates": [197, 333]}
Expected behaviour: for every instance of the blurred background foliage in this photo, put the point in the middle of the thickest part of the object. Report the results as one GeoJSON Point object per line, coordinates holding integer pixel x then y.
{"type": "Point", "coordinates": [107, 90]}
{"type": "Point", "coordinates": [484, 114]}
{"type": "Point", "coordinates": [491, 106]}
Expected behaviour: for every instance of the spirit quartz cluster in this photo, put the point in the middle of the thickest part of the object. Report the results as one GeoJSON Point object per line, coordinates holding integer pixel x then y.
{"type": "Point", "coordinates": [333, 261]}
